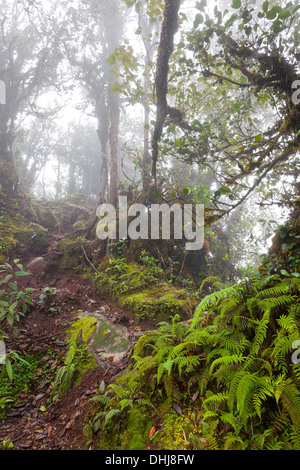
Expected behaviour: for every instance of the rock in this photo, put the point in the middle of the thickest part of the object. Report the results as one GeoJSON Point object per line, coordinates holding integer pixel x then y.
{"type": "Point", "coordinates": [36, 263]}
{"type": "Point", "coordinates": [107, 340]}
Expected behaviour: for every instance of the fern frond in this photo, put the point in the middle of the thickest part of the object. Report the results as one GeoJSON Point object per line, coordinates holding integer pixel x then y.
{"type": "Point", "coordinates": [113, 412]}
{"type": "Point", "coordinates": [209, 300]}
{"type": "Point", "coordinates": [227, 360]}
{"type": "Point", "coordinates": [215, 400]}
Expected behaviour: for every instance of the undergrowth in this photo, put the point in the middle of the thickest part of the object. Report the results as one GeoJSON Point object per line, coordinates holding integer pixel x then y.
{"type": "Point", "coordinates": [232, 363]}
{"type": "Point", "coordinates": [28, 371]}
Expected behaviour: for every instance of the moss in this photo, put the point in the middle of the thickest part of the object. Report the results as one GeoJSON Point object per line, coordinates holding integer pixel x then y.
{"type": "Point", "coordinates": [138, 290]}
{"type": "Point", "coordinates": [177, 431]}
{"type": "Point", "coordinates": [24, 234]}
{"type": "Point", "coordinates": [84, 361]}
{"type": "Point", "coordinates": [47, 219]}
{"type": "Point", "coordinates": [7, 245]}
{"type": "Point", "coordinates": [133, 431]}
{"type": "Point", "coordinates": [138, 427]}
{"type": "Point", "coordinates": [111, 338]}
{"type": "Point", "coordinates": [40, 241]}
{"type": "Point", "coordinates": [73, 256]}
{"type": "Point", "coordinates": [156, 306]}
{"type": "Point", "coordinates": [80, 223]}
{"type": "Point", "coordinates": [86, 324]}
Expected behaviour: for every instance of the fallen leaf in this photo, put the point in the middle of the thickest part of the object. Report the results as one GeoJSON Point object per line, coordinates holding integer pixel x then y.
{"type": "Point", "coordinates": [69, 424]}
{"type": "Point", "coordinates": [152, 431]}
{"type": "Point", "coordinates": [177, 408]}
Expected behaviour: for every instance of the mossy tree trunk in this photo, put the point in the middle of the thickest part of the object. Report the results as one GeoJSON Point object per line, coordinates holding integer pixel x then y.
{"type": "Point", "coordinates": [9, 182]}
{"type": "Point", "coordinates": [113, 33]}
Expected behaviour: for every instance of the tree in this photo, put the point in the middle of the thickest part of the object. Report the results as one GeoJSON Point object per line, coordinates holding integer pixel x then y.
{"type": "Point", "coordinates": [95, 33]}
{"type": "Point", "coordinates": [238, 93]}
{"type": "Point", "coordinates": [30, 53]}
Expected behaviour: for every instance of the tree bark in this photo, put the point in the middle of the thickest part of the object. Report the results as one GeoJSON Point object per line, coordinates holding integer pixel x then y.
{"type": "Point", "coordinates": [114, 109]}
{"type": "Point", "coordinates": [165, 49]}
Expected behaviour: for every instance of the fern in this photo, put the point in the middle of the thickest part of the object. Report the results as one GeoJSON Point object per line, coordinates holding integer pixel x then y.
{"type": "Point", "coordinates": [238, 358]}
{"type": "Point", "coordinates": [209, 300]}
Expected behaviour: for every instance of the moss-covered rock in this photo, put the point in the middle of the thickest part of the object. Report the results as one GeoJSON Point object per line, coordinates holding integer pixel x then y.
{"type": "Point", "coordinates": [47, 219]}
{"type": "Point", "coordinates": [84, 324]}
{"type": "Point", "coordinates": [105, 339]}
{"type": "Point", "coordinates": [142, 291]}
{"type": "Point", "coordinates": [73, 255]}
{"type": "Point", "coordinates": [135, 437]}
{"type": "Point", "coordinates": [134, 425]}
{"type": "Point", "coordinates": [24, 234]}
{"type": "Point", "coordinates": [40, 240]}
{"type": "Point", "coordinates": [157, 304]}
{"type": "Point", "coordinates": [17, 236]}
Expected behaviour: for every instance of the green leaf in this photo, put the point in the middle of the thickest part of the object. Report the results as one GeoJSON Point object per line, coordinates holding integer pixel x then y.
{"type": "Point", "coordinates": [265, 6]}
{"type": "Point", "coordinates": [9, 369]}
{"type": "Point", "coordinates": [22, 273]}
{"type": "Point", "coordinates": [236, 4]}
{"type": "Point", "coordinates": [102, 386]}
{"type": "Point", "coordinates": [231, 20]}
{"type": "Point", "coordinates": [271, 14]}
{"type": "Point", "coordinates": [10, 319]}
{"type": "Point", "coordinates": [284, 14]}
{"type": "Point", "coordinates": [284, 273]}
{"type": "Point", "coordinates": [13, 306]}
{"type": "Point", "coordinates": [296, 274]}
{"type": "Point", "coordinates": [6, 279]}
{"type": "Point", "coordinates": [13, 286]}
{"type": "Point", "coordinates": [179, 142]}
{"type": "Point", "coordinates": [185, 191]}
{"type": "Point", "coordinates": [198, 20]}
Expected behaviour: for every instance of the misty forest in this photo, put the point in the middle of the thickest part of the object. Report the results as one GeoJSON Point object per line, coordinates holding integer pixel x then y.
{"type": "Point", "coordinates": [110, 340]}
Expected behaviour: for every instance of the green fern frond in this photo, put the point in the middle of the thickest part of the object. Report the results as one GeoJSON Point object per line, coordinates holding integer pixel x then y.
{"type": "Point", "coordinates": [233, 442]}
{"type": "Point", "coordinates": [260, 332]}
{"type": "Point", "coordinates": [215, 400]}
{"type": "Point", "coordinates": [209, 300]}
{"type": "Point", "coordinates": [212, 443]}
{"type": "Point", "coordinates": [290, 399]}
{"type": "Point", "coordinates": [227, 360]}
{"type": "Point", "coordinates": [168, 384]}
{"type": "Point", "coordinates": [113, 412]}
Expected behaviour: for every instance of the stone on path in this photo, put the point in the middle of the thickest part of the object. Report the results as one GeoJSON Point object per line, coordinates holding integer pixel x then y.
{"type": "Point", "coordinates": [107, 340]}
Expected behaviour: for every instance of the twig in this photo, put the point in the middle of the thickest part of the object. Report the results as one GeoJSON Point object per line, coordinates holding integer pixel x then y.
{"type": "Point", "coordinates": [182, 266]}
{"type": "Point", "coordinates": [90, 263]}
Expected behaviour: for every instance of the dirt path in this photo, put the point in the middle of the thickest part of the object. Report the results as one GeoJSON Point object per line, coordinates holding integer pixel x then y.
{"type": "Point", "coordinates": [31, 423]}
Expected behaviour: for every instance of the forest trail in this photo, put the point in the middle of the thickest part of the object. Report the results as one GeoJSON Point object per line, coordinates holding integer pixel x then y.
{"type": "Point", "coordinates": [32, 423]}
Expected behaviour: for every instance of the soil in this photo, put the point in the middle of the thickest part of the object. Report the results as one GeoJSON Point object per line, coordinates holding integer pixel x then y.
{"type": "Point", "coordinates": [31, 424]}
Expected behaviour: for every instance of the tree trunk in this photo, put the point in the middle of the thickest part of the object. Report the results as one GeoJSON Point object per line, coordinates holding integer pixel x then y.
{"type": "Point", "coordinates": [9, 181]}
{"type": "Point", "coordinates": [58, 180]}
{"type": "Point", "coordinates": [72, 186]}
{"type": "Point", "coordinates": [114, 109]}
{"type": "Point", "coordinates": [146, 29]}
{"type": "Point", "coordinates": [103, 134]}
